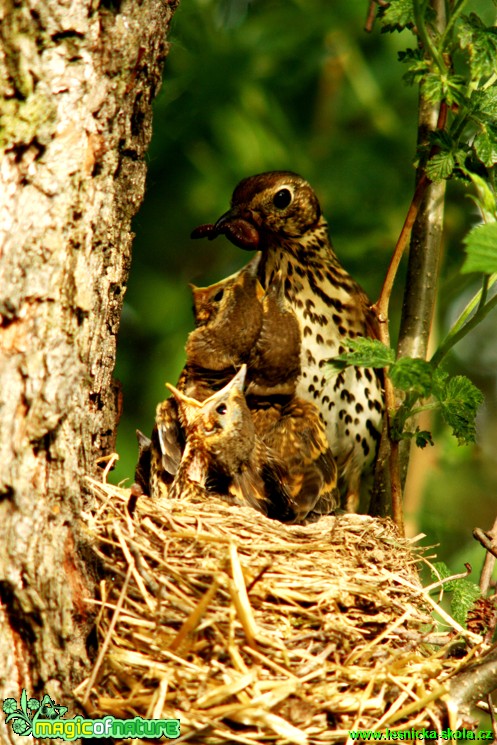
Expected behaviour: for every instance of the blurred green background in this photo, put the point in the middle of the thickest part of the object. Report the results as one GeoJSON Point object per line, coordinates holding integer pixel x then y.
{"type": "Point", "coordinates": [298, 85]}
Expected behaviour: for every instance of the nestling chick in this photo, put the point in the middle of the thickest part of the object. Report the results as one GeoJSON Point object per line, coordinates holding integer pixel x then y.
{"type": "Point", "coordinates": [224, 456]}
{"type": "Point", "coordinates": [292, 427]}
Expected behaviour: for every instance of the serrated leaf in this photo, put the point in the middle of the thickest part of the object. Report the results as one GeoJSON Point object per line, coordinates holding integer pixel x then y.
{"type": "Point", "coordinates": [481, 249]}
{"type": "Point", "coordinates": [416, 73]}
{"type": "Point", "coordinates": [418, 65]}
{"type": "Point", "coordinates": [443, 572]}
{"type": "Point", "coordinates": [413, 375]}
{"type": "Point", "coordinates": [481, 44]}
{"type": "Point", "coordinates": [442, 139]}
{"type": "Point", "coordinates": [411, 55]}
{"type": "Point", "coordinates": [364, 353]}
{"type": "Point", "coordinates": [464, 595]}
{"type": "Point", "coordinates": [486, 148]}
{"type": "Point", "coordinates": [397, 15]}
{"type": "Point", "coordinates": [440, 166]}
{"type": "Point", "coordinates": [438, 86]}
{"type": "Point", "coordinates": [422, 438]}
{"type": "Point", "coordinates": [484, 103]}
{"type": "Point", "coordinates": [459, 401]}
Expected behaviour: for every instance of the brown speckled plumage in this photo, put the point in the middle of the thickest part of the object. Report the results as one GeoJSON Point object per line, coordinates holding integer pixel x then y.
{"type": "Point", "coordinates": [290, 458]}
{"type": "Point", "coordinates": [278, 214]}
{"type": "Point", "coordinates": [223, 454]}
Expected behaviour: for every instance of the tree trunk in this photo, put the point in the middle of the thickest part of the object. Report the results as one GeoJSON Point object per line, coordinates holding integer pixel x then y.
{"type": "Point", "coordinates": [77, 80]}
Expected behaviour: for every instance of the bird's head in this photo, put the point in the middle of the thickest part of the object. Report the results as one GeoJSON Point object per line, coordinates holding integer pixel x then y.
{"type": "Point", "coordinates": [242, 289]}
{"type": "Point", "coordinates": [273, 205]}
{"type": "Point", "coordinates": [222, 424]}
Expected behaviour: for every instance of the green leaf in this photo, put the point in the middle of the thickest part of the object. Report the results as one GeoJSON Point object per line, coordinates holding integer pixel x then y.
{"type": "Point", "coordinates": [397, 15]}
{"type": "Point", "coordinates": [442, 572]}
{"type": "Point", "coordinates": [459, 401]}
{"type": "Point", "coordinates": [464, 592]}
{"type": "Point", "coordinates": [439, 86]}
{"type": "Point", "coordinates": [416, 72]}
{"type": "Point", "coordinates": [440, 166]}
{"type": "Point", "coordinates": [422, 438]}
{"type": "Point", "coordinates": [485, 197]}
{"type": "Point", "coordinates": [411, 55]}
{"type": "Point", "coordinates": [364, 353]}
{"type": "Point", "coordinates": [413, 375]}
{"type": "Point", "coordinates": [464, 595]}
{"type": "Point", "coordinates": [418, 65]}
{"type": "Point", "coordinates": [481, 249]}
{"type": "Point", "coordinates": [483, 103]}
{"type": "Point", "coordinates": [481, 43]}
{"type": "Point", "coordinates": [486, 148]}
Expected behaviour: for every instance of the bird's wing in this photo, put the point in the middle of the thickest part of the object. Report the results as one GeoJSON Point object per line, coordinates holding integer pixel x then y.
{"type": "Point", "coordinates": [169, 435]}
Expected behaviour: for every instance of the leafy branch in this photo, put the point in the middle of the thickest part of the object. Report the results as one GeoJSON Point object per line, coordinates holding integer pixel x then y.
{"type": "Point", "coordinates": [455, 66]}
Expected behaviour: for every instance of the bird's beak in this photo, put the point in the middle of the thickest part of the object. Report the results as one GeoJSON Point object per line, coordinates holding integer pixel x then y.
{"type": "Point", "coordinates": [277, 289]}
{"type": "Point", "coordinates": [219, 225]}
{"type": "Point", "coordinates": [237, 383]}
{"type": "Point", "coordinates": [239, 228]}
{"type": "Point", "coordinates": [189, 407]}
{"type": "Point", "coordinates": [179, 396]}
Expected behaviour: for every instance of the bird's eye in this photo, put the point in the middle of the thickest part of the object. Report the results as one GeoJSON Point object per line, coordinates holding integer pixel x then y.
{"type": "Point", "coordinates": [282, 198]}
{"type": "Point", "coordinates": [218, 296]}
{"type": "Point", "coordinates": [221, 409]}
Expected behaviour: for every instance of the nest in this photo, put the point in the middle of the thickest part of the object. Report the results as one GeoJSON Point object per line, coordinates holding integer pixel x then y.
{"type": "Point", "coordinates": [251, 631]}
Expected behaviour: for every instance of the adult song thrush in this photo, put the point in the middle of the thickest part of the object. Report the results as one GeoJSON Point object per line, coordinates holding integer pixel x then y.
{"type": "Point", "coordinates": [278, 214]}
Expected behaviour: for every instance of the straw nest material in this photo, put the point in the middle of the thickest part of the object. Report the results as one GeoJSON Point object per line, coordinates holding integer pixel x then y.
{"type": "Point", "coordinates": [251, 631]}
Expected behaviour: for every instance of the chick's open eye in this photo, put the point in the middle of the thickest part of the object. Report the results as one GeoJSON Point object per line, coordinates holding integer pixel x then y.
{"type": "Point", "coordinates": [221, 409]}
{"type": "Point", "coordinates": [282, 198]}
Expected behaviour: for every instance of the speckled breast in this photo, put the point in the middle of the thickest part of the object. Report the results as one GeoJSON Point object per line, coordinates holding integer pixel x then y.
{"type": "Point", "coordinates": [350, 401]}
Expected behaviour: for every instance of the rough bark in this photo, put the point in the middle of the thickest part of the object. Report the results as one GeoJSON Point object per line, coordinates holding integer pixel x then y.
{"type": "Point", "coordinates": [77, 79]}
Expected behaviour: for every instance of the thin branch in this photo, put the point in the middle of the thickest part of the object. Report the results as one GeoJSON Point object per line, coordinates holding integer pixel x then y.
{"type": "Point", "coordinates": [489, 541]}
{"type": "Point", "coordinates": [368, 26]}
{"type": "Point", "coordinates": [474, 683]}
{"type": "Point", "coordinates": [455, 336]}
{"type": "Point", "coordinates": [484, 291]}
{"type": "Point", "coordinates": [425, 37]}
{"type": "Point", "coordinates": [475, 302]}
{"type": "Point", "coordinates": [382, 304]}
{"type": "Point", "coordinates": [493, 717]}
{"type": "Point", "coordinates": [381, 308]}
{"type": "Point", "coordinates": [396, 486]}
{"type": "Point", "coordinates": [425, 249]}
{"type": "Point", "coordinates": [371, 15]}
{"type": "Point", "coordinates": [456, 12]}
